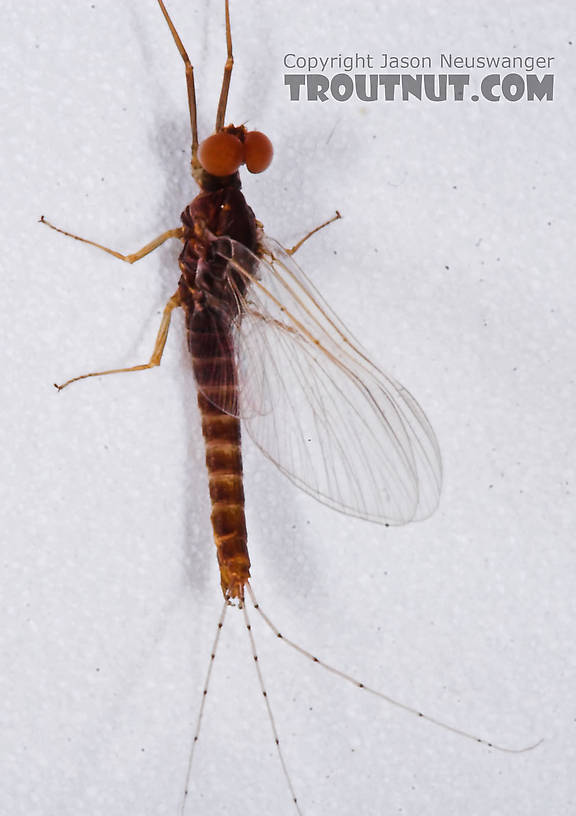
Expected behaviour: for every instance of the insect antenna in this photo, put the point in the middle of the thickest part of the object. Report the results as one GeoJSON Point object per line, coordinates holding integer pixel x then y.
{"type": "Point", "coordinates": [268, 706]}
{"type": "Point", "coordinates": [202, 706]}
{"type": "Point", "coordinates": [381, 695]}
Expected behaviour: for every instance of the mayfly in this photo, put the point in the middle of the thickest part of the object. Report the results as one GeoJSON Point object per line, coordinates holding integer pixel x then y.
{"type": "Point", "coordinates": [268, 352]}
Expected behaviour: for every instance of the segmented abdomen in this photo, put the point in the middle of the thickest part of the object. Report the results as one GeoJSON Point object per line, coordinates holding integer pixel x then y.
{"type": "Point", "coordinates": [214, 368]}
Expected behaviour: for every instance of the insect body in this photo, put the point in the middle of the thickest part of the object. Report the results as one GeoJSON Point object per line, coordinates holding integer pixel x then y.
{"type": "Point", "coordinates": [212, 308]}
{"type": "Point", "coordinates": [266, 349]}
{"type": "Point", "coordinates": [267, 352]}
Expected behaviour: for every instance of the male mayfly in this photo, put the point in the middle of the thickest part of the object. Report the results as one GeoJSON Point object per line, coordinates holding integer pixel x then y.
{"type": "Point", "coordinates": [268, 352]}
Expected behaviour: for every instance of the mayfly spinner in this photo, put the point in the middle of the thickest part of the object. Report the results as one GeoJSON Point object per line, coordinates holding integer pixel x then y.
{"type": "Point", "coordinates": [267, 352]}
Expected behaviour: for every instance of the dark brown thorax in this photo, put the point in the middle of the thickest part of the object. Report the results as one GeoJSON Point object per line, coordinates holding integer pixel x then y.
{"type": "Point", "coordinates": [220, 209]}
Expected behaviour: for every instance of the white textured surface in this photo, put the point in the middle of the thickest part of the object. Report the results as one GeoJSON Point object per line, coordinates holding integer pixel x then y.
{"type": "Point", "coordinates": [454, 264]}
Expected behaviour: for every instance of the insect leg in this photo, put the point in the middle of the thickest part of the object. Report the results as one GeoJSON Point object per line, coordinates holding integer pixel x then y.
{"type": "Point", "coordinates": [229, 64]}
{"type": "Point", "coordinates": [132, 257]}
{"type": "Point", "coordinates": [309, 234]}
{"type": "Point", "coordinates": [189, 80]}
{"type": "Point", "coordinates": [156, 357]}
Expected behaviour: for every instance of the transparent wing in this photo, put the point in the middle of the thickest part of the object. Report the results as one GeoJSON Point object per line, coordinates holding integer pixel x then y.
{"type": "Point", "coordinates": [336, 425]}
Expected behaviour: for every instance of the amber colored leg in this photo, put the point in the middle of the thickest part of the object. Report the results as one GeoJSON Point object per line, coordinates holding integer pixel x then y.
{"type": "Point", "coordinates": [134, 256]}
{"type": "Point", "coordinates": [229, 64]}
{"type": "Point", "coordinates": [189, 78]}
{"type": "Point", "coordinates": [156, 357]}
{"type": "Point", "coordinates": [308, 235]}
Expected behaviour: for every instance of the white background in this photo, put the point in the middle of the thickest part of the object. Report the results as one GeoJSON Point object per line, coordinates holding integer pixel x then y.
{"type": "Point", "coordinates": [454, 263]}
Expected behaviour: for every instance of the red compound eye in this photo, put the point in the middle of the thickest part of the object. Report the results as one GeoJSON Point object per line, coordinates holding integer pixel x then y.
{"type": "Point", "coordinates": [258, 151]}
{"type": "Point", "coordinates": [221, 154]}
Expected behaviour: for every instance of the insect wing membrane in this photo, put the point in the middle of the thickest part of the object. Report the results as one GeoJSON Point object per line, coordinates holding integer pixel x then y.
{"type": "Point", "coordinates": [336, 425]}
{"type": "Point", "coordinates": [423, 442]}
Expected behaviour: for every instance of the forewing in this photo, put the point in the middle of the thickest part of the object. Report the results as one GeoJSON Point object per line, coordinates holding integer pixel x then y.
{"type": "Point", "coordinates": [330, 420]}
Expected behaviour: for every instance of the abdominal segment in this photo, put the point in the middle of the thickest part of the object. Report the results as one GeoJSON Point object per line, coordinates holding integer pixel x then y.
{"type": "Point", "coordinates": [222, 439]}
